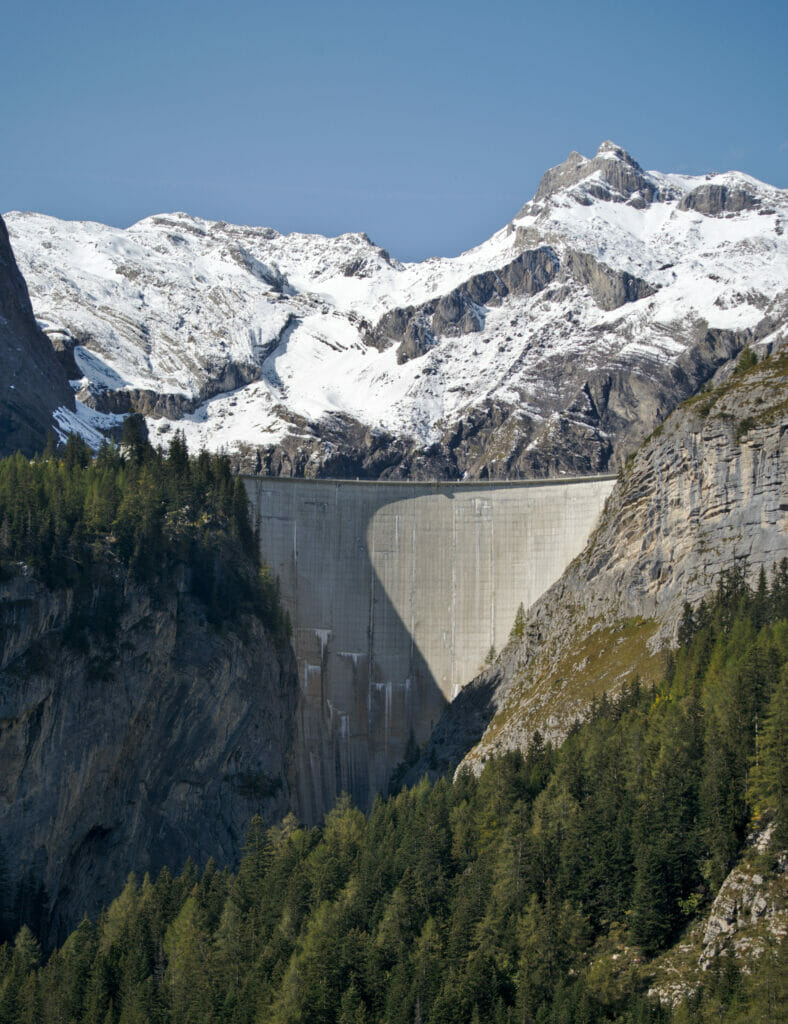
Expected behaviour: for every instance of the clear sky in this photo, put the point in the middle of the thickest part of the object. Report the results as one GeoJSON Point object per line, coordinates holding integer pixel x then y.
{"type": "Point", "coordinates": [426, 124]}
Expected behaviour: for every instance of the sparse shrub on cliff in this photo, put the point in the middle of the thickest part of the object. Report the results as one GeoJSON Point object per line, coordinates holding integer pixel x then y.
{"type": "Point", "coordinates": [747, 359]}
{"type": "Point", "coordinates": [744, 426]}
{"type": "Point", "coordinates": [519, 624]}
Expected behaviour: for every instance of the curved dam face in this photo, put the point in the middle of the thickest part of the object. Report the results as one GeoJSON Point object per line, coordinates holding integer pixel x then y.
{"type": "Point", "coordinates": [397, 591]}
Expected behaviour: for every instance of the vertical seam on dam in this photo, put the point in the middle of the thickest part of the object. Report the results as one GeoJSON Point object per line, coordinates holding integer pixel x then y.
{"type": "Point", "coordinates": [492, 578]}
{"type": "Point", "coordinates": [412, 586]}
{"type": "Point", "coordinates": [452, 678]}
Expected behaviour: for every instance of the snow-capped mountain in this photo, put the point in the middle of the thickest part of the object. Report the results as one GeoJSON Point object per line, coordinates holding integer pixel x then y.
{"type": "Point", "coordinates": [554, 346]}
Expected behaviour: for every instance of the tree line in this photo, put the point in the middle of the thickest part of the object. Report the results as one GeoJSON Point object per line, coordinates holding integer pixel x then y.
{"type": "Point", "coordinates": [73, 518]}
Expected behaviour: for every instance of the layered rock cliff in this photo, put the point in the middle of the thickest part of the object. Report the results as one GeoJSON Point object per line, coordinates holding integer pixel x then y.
{"type": "Point", "coordinates": [32, 382]}
{"type": "Point", "coordinates": [708, 489]}
{"type": "Point", "coordinates": [133, 735]}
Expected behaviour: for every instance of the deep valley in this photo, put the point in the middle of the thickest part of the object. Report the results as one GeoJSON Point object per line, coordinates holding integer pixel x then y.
{"type": "Point", "coordinates": [398, 642]}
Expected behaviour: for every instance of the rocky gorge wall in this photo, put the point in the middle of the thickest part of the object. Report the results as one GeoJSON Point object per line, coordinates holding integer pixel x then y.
{"type": "Point", "coordinates": [708, 489]}
{"type": "Point", "coordinates": [145, 739]}
{"type": "Point", "coordinates": [397, 592]}
{"type": "Point", "coordinates": [33, 382]}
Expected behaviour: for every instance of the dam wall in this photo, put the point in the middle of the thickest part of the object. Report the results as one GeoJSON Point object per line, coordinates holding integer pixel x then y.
{"type": "Point", "coordinates": [397, 592]}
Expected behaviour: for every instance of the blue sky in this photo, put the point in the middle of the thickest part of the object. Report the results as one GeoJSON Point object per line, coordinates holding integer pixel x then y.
{"type": "Point", "coordinates": [425, 124]}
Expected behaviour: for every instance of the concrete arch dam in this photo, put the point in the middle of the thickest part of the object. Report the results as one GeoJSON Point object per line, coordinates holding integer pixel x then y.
{"type": "Point", "coordinates": [397, 591]}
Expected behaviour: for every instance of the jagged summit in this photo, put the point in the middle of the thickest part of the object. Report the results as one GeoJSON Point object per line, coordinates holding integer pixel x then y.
{"type": "Point", "coordinates": [554, 346]}
{"type": "Point", "coordinates": [612, 167]}
{"type": "Point", "coordinates": [608, 146]}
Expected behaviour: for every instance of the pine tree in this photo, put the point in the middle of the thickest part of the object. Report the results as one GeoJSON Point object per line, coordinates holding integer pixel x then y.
{"type": "Point", "coordinates": [652, 917]}
{"type": "Point", "coordinates": [134, 438]}
{"type": "Point", "coordinates": [27, 951]}
{"type": "Point", "coordinates": [518, 628]}
{"type": "Point", "coordinates": [186, 980]}
{"type": "Point", "coordinates": [768, 790]}
{"type": "Point", "coordinates": [5, 900]}
{"type": "Point", "coordinates": [241, 525]}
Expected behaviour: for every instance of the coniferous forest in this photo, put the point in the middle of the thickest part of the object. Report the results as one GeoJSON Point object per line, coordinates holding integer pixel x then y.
{"type": "Point", "coordinates": [135, 511]}
{"type": "Point", "coordinates": [540, 891]}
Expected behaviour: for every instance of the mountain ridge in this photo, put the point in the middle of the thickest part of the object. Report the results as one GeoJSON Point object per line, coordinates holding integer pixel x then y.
{"type": "Point", "coordinates": [553, 347]}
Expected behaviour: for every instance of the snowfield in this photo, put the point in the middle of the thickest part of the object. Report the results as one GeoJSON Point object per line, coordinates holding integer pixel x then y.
{"type": "Point", "coordinates": [239, 334]}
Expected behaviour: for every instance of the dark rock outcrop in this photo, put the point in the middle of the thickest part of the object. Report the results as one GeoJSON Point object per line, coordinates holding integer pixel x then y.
{"type": "Point", "coordinates": [269, 275]}
{"type": "Point", "coordinates": [609, 288]}
{"type": "Point", "coordinates": [132, 735]}
{"type": "Point", "coordinates": [32, 381]}
{"type": "Point", "coordinates": [417, 328]}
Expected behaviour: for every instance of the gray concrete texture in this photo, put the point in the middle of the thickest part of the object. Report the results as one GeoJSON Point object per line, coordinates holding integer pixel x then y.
{"type": "Point", "coordinates": [397, 591]}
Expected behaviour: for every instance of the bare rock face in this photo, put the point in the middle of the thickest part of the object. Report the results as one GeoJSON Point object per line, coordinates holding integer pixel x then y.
{"type": "Point", "coordinates": [746, 905]}
{"type": "Point", "coordinates": [707, 488]}
{"type": "Point", "coordinates": [609, 288]}
{"type": "Point", "coordinates": [620, 176]}
{"type": "Point", "coordinates": [416, 329]}
{"type": "Point", "coordinates": [715, 200]}
{"type": "Point", "coordinates": [32, 381]}
{"type": "Point", "coordinates": [461, 311]}
{"type": "Point", "coordinates": [132, 736]}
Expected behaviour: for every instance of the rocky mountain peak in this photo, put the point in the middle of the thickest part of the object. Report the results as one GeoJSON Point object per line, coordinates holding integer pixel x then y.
{"type": "Point", "coordinates": [611, 174]}
{"type": "Point", "coordinates": [608, 146]}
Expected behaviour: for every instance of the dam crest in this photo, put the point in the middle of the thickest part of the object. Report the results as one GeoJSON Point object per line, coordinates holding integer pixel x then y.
{"type": "Point", "coordinates": [398, 591]}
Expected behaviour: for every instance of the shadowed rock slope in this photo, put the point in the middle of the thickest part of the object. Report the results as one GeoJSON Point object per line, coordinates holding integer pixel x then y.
{"type": "Point", "coordinates": [147, 685]}
{"type": "Point", "coordinates": [708, 488]}
{"type": "Point", "coordinates": [32, 382]}
{"type": "Point", "coordinates": [134, 745]}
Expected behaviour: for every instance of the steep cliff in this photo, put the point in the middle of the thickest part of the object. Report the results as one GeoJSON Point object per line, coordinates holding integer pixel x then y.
{"type": "Point", "coordinates": [132, 735]}
{"type": "Point", "coordinates": [147, 686]}
{"type": "Point", "coordinates": [706, 489]}
{"type": "Point", "coordinates": [32, 382]}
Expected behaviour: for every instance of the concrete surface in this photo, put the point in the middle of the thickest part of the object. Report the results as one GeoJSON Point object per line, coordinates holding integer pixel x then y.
{"type": "Point", "coordinates": [397, 591]}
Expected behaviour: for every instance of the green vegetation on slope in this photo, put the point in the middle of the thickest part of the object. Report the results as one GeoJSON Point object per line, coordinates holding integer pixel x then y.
{"type": "Point", "coordinates": [597, 659]}
{"type": "Point", "coordinates": [138, 512]}
{"type": "Point", "coordinates": [770, 375]}
{"type": "Point", "coordinates": [489, 899]}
